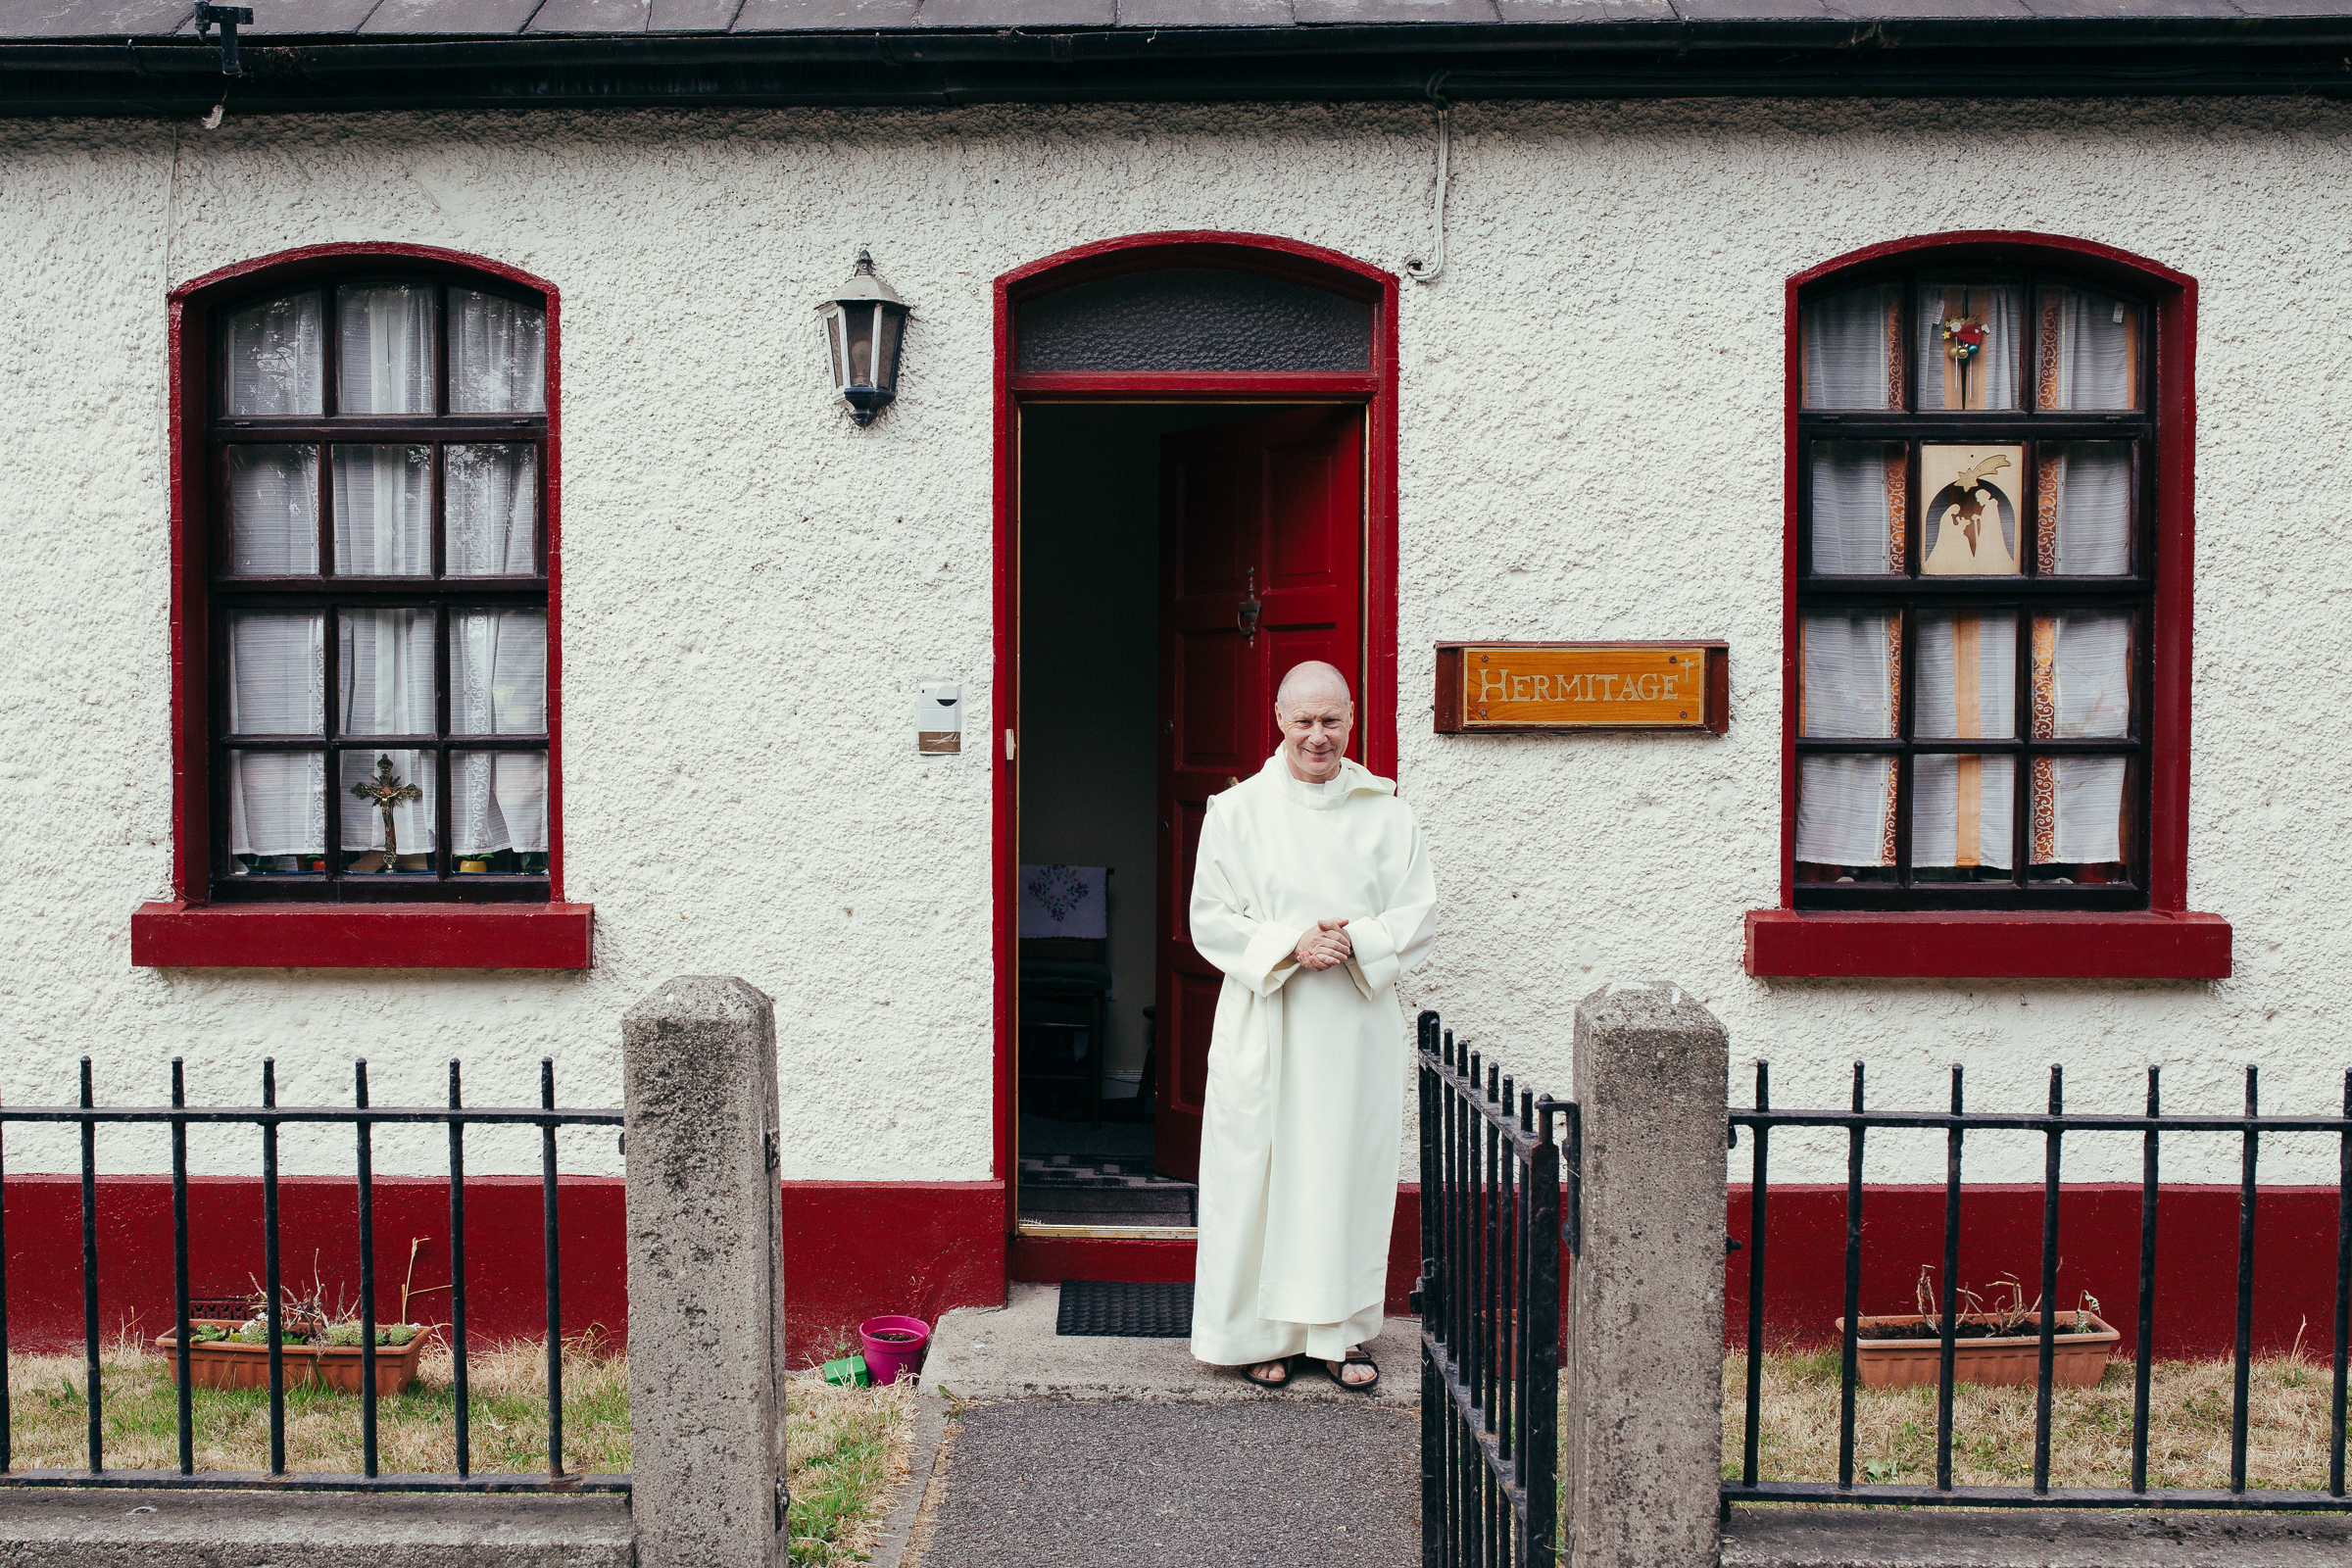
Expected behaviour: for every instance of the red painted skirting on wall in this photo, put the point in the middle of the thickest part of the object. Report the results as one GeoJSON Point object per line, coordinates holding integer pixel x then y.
{"type": "Point", "coordinates": [363, 935]}
{"type": "Point", "coordinates": [2143, 945]}
{"type": "Point", "coordinates": [2098, 1247]}
{"type": "Point", "coordinates": [851, 1250]}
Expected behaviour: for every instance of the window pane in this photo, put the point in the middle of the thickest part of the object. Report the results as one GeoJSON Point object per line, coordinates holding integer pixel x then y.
{"type": "Point", "coordinates": [1859, 504]}
{"type": "Point", "coordinates": [2082, 675]}
{"type": "Point", "coordinates": [1194, 319]}
{"type": "Point", "coordinates": [1968, 525]}
{"type": "Point", "coordinates": [2089, 351]}
{"type": "Point", "coordinates": [498, 354]}
{"type": "Point", "coordinates": [385, 332]}
{"type": "Point", "coordinates": [369, 786]}
{"type": "Point", "coordinates": [498, 811]}
{"type": "Point", "coordinates": [2079, 830]}
{"type": "Point", "coordinates": [276, 675]}
{"type": "Point", "coordinates": [1968, 337]}
{"type": "Point", "coordinates": [1963, 815]}
{"type": "Point", "coordinates": [2084, 509]}
{"type": "Point", "coordinates": [386, 660]}
{"type": "Point", "coordinates": [1966, 683]}
{"type": "Point", "coordinates": [492, 497]}
{"type": "Point", "coordinates": [277, 360]}
{"type": "Point", "coordinates": [1852, 666]}
{"type": "Point", "coordinates": [497, 672]}
{"type": "Point", "coordinates": [277, 811]}
{"type": "Point", "coordinates": [384, 511]}
{"type": "Point", "coordinates": [1845, 817]}
{"type": "Point", "coordinates": [1854, 349]}
{"type": "Point", "coordinates": [273, 512]}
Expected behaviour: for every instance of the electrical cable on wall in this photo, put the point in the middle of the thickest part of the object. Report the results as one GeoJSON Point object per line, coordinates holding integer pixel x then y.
{"type": "Point", "coordinates": [1428, 271]}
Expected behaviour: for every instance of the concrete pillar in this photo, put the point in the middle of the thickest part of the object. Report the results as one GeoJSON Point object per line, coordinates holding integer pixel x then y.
{"type": "Point", "coordinates": [706, 1276]}
{"type": "Point", "coordinates": [1644, 1410]}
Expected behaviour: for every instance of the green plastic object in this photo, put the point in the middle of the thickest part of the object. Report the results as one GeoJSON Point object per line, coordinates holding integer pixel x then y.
{"type": "Point", "coordinates": [848, 1371]}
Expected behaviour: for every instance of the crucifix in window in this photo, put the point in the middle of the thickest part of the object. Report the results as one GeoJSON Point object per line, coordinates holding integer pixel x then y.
{"type": "Point", "coordinates": [386, 790]}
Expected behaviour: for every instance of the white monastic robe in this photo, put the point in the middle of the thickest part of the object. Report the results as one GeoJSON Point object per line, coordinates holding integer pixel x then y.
{"type": "Point", "coordinates": [1306, 1068]}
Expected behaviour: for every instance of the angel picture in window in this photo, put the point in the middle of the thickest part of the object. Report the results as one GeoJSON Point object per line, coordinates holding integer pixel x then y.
{"type": "Point", "coordinates": [1969, 526]}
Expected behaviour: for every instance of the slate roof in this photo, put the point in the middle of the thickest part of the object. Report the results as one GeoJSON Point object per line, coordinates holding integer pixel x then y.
{"type": "Point", "coordinates": [111, 20]}
{"type": "Point", "coordinates": [142, 56]}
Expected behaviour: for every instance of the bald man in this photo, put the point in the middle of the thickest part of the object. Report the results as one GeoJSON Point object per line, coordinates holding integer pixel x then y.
{"type": "Point", "coordinates": [1312, 892]}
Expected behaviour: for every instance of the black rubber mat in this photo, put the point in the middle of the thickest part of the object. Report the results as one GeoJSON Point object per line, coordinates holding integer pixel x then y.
{"type": "Point", "coordinates": [1124, 1311]}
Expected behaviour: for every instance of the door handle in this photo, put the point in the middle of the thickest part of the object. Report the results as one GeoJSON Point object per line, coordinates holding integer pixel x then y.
{"type": "Point", "coordinates": [1246, 612]}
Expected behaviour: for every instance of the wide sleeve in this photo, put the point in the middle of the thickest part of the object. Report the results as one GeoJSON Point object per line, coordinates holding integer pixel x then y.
{"type": "Point", "coordinates": [1389, 942]}
{"type": "Point", "coordinates": [1256, 953]}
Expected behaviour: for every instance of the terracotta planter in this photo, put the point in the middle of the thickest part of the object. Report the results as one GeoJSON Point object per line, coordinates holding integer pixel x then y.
{"type": "Point", "coordinates": [2077, 1360]}
{"type": "Point", "coordinates": [234, 1364]}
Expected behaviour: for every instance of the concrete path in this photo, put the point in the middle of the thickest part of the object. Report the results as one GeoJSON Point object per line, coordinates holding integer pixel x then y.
{"type": "Point", "coordinates": [1120, 1483]}
{"type": "Point", "coordinates": [1011, 1353]}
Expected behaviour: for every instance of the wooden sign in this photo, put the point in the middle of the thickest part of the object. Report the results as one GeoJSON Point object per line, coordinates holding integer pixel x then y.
{"type": "Point", "coordinates": [1522, 687]}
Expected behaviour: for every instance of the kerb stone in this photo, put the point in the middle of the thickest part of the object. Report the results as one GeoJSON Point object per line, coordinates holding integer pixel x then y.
{"type": "Point", "coordinates": [1644, 1398]}
{"type": "Point", "coordinates": [706, 1276]}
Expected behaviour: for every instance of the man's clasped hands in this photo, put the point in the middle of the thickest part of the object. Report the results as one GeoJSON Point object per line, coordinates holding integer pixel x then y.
{"type": "Point", "coordinates": [1324, 944]}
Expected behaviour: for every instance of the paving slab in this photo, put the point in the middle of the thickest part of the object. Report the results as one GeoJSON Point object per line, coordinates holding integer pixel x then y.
{"type": "Point", "coordinates": [129, 1528]}
{"type": "Point", "coordinates": [1955, 1538]}
{"type": "Point", "coordinates": [987, 1353]}
{"type": "Point", "coordinates": [1121, 1484]}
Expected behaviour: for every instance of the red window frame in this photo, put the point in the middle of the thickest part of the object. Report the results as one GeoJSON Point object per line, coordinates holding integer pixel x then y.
{"type": "Point", "coordinates": [189, 929]}
{"type": "Point", "coordinates": [2166, 940]}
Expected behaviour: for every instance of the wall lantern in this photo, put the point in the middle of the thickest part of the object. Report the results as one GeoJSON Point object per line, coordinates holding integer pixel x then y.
{"type": "Point", "coordinates": [865, 324]}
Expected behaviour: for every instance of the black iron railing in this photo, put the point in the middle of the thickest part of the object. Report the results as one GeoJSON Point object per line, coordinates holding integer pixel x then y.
{"type": "Point", "coordinates": [269, 1116]}
{"type": "Point", "coordinates": [1488, 1298]}
{"type": "Point", "coordinates": [2054, 1124]}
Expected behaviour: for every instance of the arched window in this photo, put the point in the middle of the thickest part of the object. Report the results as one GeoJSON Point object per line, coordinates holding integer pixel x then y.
{"type": "Point", "coordinates": [1988, 584]}
{"type": "Point", "coordinates": [366, 474]}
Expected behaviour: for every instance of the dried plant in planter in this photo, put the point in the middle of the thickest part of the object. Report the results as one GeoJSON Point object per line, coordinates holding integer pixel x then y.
{"type": "Point", "coordinates": [1998, 1343]}
{"type": "Point", "coordinates": [316, 1342]}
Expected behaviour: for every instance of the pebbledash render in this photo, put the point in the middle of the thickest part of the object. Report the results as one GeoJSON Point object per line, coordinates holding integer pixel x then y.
{"type": "Point", "coordinates": [1591, 413]}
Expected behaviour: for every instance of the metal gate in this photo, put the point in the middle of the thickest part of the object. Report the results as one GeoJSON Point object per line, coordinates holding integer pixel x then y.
{"type": "Point", "coordinates": [1489, 1303]}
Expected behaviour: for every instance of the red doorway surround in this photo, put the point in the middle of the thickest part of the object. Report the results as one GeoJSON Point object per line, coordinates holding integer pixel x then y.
{"type": "Point", "coordinates": [1375, 389]}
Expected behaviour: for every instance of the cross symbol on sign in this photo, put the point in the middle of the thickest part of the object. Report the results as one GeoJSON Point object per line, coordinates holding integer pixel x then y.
{"type": "Point", "coordinates": [385, 790]}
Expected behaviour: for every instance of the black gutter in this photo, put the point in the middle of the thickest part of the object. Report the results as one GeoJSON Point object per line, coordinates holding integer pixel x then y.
{"type": "Point", "coordinates": [935, 67]}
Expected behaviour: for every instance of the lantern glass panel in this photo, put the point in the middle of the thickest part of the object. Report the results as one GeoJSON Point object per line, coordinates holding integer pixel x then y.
{"type": "Point", "coordinates": [860, 320]}
{"type": "Point", "coordinates": [889, 324]}
{"type": "Point", "coordinates": [831, 318]}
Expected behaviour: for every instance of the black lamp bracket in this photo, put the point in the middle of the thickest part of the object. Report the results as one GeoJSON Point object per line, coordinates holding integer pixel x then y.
{"type": "Point", "coordinates": [229, 18]}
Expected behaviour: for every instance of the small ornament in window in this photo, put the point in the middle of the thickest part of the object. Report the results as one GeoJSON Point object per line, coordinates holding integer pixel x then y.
{"type": "Point", "coordinates": [1963, 339]}
{"type": "Point", "coordinates": [385, 789]}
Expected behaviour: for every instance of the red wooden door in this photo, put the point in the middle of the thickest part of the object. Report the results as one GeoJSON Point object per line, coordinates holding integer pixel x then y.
{"type": "Point", "coordinates": [1270, 509]}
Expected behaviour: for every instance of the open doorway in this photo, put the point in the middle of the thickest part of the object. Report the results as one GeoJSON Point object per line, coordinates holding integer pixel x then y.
{"type": "Point", "coordinates": [1174, 560]}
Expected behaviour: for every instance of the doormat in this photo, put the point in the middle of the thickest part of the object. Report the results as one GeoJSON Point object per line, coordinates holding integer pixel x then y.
{"type": "Point", "coordinates": [1125, 1310]}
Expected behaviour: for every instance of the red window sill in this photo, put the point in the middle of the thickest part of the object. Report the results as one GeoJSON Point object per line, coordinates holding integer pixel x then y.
{"type": "Point", "coordinates": [1968, 945]}
{"type": "Point", "coordinates": [378, 936]}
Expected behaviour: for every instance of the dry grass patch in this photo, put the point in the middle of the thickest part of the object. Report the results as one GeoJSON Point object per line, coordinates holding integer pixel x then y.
{"type": "Point", "coordinates": [845, 1447]}
{"type": "Point", "coordinates": [1992, 1428]}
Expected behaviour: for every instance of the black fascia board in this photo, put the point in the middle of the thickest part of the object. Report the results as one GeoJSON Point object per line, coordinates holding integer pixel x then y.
{"type": "Point", "coordinates": [934, 67]}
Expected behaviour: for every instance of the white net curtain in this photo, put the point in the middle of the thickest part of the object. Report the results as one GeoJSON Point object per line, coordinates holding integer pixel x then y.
{"type": "Point", "coordinates": [1968, 345]}
{"type": "Point", "coordinates": [426, 673]}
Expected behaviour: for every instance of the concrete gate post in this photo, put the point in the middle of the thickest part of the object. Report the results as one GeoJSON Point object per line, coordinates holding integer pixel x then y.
{"type": "Point", "coordinates": [1643, 1413]}
{"type": "Point", "coordinates": [706, 1276]}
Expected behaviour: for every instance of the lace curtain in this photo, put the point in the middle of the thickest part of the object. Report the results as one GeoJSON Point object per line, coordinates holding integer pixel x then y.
{"type": "Point", "coordinates": [1852, 349]}
{"type": "Point", "coordinates": [1984, 379]}
{"type": "Point", "coordinates": [492, 495]}
{"type": "Point", "coordinates": [1846, 803]}
{"type": "Point", "coordinates": [384, 511]}
{"type": "Point", "coordinates": [2085, 509]}
{"type": "Point", "coordinates": [2089, 349]}
{"type": "Point", "coordinates": [497, 686]}
{"type": "Point", "coordinates": [276, 357]}
{"type": "Point", "coordinates": [386, 342]}
{"type": "Point", "coordinates": [498, 354]}
{"type": "Point", "coordinates": [272, 511]}
{"type": "Point", "coordinates": [1963, 807]}
{"type": "Point", "coordinates": [2081, 691]}
{"type": "Point", "coordinates": [385, 659]}
{"type": "Point", "coordinates": [277, 669]}
{"type": "Point", "coordinates": [1858, 506]}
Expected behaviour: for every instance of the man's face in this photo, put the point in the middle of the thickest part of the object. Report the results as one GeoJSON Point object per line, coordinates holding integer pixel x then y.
{"type": "Point", "coordinates": [1314, 732]}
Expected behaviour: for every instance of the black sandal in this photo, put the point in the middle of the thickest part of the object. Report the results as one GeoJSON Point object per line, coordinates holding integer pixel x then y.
{"type": "Point", "coordinates": [1357, 1357]}
{"type": "Point", "coordinates": [1287, 1364]}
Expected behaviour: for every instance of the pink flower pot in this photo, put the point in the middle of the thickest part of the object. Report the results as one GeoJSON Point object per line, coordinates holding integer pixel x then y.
{"type": "Point", "coordinates": [893, 1345]}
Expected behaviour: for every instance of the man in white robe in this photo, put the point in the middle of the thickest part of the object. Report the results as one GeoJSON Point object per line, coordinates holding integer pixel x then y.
{"type": "Point", "coordinates": [1312, 892]}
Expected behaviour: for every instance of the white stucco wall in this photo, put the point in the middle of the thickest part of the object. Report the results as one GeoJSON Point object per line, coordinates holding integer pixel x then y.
{"type": "Point", "coordinates": [1590, 448]}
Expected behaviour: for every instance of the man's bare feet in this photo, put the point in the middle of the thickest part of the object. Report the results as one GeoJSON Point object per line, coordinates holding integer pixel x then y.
{"type": "Point", "coordinates": [1352, 1373]}
{"type": "Point", "coordinates": [1269, 1374]}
